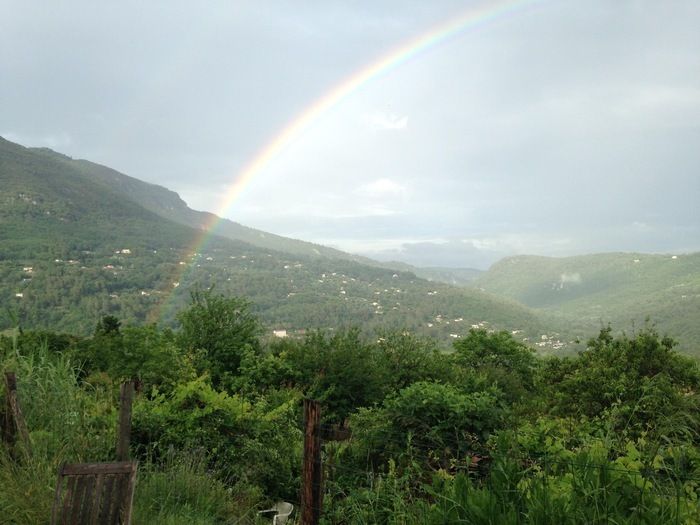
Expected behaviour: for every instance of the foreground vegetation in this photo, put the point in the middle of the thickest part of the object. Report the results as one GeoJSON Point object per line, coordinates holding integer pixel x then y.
{"type": "Point", "coordinates": [488, 433]}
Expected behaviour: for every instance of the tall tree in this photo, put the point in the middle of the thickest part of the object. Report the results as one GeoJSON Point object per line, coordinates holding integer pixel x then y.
{"type": "Point", "coordinates": [218, 330]}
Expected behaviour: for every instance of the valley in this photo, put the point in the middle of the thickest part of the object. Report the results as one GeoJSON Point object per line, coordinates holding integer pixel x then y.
{"type": "Point", "coordinates": [95, 249]}
{"type": "Point", "coordinates": [81, 241]}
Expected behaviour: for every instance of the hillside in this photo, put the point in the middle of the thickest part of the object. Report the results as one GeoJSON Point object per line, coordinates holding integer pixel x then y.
{"type": "Point", "coordinates": [168, 204]}
{"type": "Point", "coordinates": [622, 288]}
{"type": "Point", "coordinates": [76, 248]}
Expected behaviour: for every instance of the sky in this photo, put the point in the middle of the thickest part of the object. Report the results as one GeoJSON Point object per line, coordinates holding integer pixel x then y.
{"type": "Point", "coordinates": [554, 128]}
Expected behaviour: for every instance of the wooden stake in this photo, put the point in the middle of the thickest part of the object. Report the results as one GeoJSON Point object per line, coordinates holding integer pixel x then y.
{"type": "Point", "coordinates": [312, 490]}
{"type": "Point", "coordinates": [14, 412]}
{"type": "Point", "coordinates": [8, 425]}
{"type": "Point", "coordinates": [126, 398]}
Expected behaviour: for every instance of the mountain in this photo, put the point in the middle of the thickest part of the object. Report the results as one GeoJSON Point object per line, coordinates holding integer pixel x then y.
{"type": "Point", "coordinates": [622, 288]}
{"type": "Point", "coordinates": [169, 205]}
{"type": "Point", "coordinates": [80, 241]}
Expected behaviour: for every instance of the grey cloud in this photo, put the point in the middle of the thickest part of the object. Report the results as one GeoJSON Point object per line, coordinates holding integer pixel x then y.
{"type": "Point", "coordinates": [562, 121]}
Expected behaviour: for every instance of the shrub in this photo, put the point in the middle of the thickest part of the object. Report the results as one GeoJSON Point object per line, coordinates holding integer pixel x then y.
{"type": "Point", "coordinates": [254, 444]}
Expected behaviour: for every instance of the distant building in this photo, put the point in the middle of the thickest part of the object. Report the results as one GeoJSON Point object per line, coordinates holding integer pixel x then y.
{"type": "Point", "coordinates": [280, 333]}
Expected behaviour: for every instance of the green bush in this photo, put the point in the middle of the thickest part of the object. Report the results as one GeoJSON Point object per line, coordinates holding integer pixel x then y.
{"type": "Point", "coordinates": [63, 417]}
{"type": "Point", "coordinates": [436, 422]}
{"type": "Point", "coordinates": [640, 382]}
{"type": "Point", "coordinates": [342, 371]}
{"type": "Point", "coordinates": [146, 354]}
{"type": "Point", "coordinates": [506, 363]}
{"type": "Point", "coordinates": [67, 422]}
{"type": "Point", "coordinates": [255, 444]}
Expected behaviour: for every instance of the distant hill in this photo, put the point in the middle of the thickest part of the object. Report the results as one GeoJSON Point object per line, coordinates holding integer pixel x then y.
{"type": "Point", "coordinates": [622, 288]}
{"type": "Point", "coordinates": [80, 241]}
{"type": "Point", "coordinates": [454, 276]}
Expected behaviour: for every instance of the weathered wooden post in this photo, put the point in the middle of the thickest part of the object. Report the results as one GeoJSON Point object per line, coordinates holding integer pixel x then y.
{"type": "Point", "coordinates": [126, 398]}
{"type": "Point", "coordinates": [8, 426]}
{"type": "Point", "coordinates": [312, 477]}
{"type": "Point", "coordinates": [14, 419]}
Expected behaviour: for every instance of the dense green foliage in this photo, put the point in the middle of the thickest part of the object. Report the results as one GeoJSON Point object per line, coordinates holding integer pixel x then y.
{"type": "Point", "coordinates": [218, 331]}
{"type": "Point", "coordinates": [488, 433]}
{"type": "Point", "coordinates": [506, 362]}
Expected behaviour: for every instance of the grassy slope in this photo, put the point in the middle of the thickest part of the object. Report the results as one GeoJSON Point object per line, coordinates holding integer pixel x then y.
{"type": "Point", "coordinates": [614, 287]}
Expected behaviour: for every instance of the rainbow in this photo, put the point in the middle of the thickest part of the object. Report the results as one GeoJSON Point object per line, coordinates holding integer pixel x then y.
{"type": "Point", "coordinates": [472, 18]}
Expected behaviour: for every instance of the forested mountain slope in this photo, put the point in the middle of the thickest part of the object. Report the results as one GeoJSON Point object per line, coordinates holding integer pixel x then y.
{"type": "Point", "coordinates": [622, 288]}
{"type": "Point", "coordinates": [168, 204]}
{"type": "Point", "coordinates": [75, 248]}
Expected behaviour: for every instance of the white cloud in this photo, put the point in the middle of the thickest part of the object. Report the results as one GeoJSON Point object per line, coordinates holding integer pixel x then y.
{"type": "Point", "coordinates": [642, 226]}
{"type": "Point", "coordinates": [382, 188]}
{"type": "Point", "coordinates": [570, 278]}
{"type": "Point", "coordinates": [388, 121]}
{"type": "Point", "coordinates": [660, 98]}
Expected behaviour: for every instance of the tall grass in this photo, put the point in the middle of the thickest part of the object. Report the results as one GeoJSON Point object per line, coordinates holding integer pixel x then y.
{"type": "Point", "coordinates": [182, 491]}
{"type": "Point", "coordinates": [65, 423]}
{"type": "Point", "coordinates": [26, 489]}
{"type": "Point", "coordinates": [65, 419]}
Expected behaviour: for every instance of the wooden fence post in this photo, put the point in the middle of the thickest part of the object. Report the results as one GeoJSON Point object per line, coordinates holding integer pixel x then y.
{"type": "Point", "coordinates": [14, 419]}
{"type": "Point", "coordinates": [8, 425]}
{"type": "Point", "coordinates": [126, 398]}
{"type": "Point", "coordinates": [312, 477]}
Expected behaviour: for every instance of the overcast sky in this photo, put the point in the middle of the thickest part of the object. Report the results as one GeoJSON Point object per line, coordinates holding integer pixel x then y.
{"type": "Point", "coordinates": [563, 127]}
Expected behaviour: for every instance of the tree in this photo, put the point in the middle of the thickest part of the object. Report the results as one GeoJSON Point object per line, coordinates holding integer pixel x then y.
{"type": "Point", "coordinates": [408, 359]}
{"type": "Point", "coordinates": [440, 420]}
{"type": "Point", "coordinates": [108, 325]}
{"type": "Point", "coordinates": [505, 361]}
{"type": "Point", "coordinates": [340, 370]}
{"type": "Point", "coordinates": [641, 380]}
{"type": "Point", "coordinates": [217, 331]}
